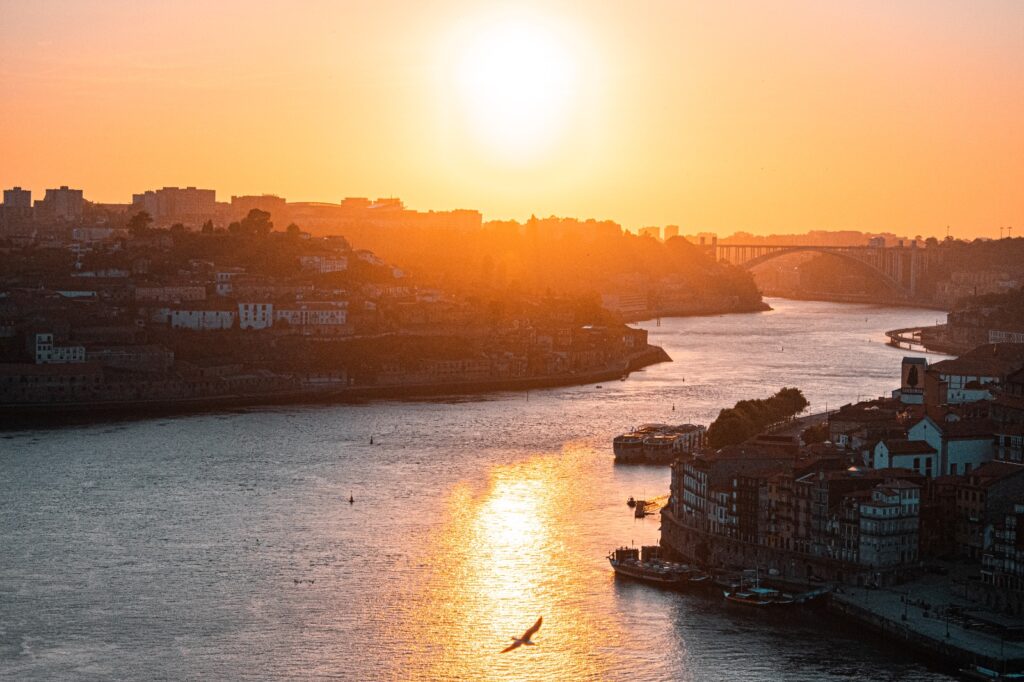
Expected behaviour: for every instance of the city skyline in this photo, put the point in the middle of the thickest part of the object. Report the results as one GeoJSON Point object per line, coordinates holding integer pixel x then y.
{"type": "Point", "coordinates": [778, 119]}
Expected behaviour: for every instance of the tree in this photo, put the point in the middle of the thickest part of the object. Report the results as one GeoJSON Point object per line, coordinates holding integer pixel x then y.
{"type": "Point", "coordinates": [138, 224]}
{"type": "Point", "coordinates": [293, 231]}
{"type": "Point", "coordinates": [208, 227]}
{"type": "Point", "coordinates": [749, 417]}
{"type": "Point", "coordinates": [256, 224]}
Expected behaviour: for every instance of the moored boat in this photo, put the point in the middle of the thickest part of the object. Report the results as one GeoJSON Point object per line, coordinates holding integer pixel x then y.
{"type": "Point", "coordinates": [658, 443]}
{"type": "Point", "coordinates": [755, 596]}
{"type": "Point", "coordinates": [646, 565]}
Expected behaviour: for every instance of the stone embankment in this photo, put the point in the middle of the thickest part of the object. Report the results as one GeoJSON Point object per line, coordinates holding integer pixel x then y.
{"type": "Point", "coordinates": [18, 416]}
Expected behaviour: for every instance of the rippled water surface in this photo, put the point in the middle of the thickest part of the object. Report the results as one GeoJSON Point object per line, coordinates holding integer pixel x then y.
{"type": "Point", "coordinates": [223, 546]}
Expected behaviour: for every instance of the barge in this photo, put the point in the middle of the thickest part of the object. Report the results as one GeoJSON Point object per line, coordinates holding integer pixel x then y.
{"type": "Point", "coordinates": [658, 443]}
{"type": "Point", "coordinates": [645, 564]}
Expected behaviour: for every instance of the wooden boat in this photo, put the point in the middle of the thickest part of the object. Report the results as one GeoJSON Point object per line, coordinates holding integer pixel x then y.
{"type": "Point", "coordinates": [648, 567]}
{"type": "Point", "coordinates": [755, 596]}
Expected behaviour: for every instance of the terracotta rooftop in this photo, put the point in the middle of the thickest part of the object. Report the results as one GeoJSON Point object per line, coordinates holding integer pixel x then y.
{"type": "Point", "coordinates": [990, 359]}
{"type": "Point", "coordinates": [993, 472]}
{"type": "Point", "coordinates": [908, 447]}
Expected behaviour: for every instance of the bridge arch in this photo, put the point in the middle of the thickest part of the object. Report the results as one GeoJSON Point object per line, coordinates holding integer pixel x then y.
{"type": "Point", "coordinates": [890, 282]}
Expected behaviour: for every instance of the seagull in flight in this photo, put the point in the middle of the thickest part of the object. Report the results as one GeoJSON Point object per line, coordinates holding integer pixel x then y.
{"type": "Point", "coordinates": [525, 639]}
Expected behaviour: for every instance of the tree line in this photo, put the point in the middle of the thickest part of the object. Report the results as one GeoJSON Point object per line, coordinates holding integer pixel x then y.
{"type": "Point", "coordinates": [748, 418]}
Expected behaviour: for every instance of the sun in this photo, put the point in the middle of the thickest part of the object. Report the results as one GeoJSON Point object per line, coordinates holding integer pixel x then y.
{"type": "Point", "coordinates": [515, 80]}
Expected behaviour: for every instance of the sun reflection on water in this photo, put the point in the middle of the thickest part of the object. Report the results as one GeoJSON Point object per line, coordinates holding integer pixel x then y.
{"type": "Point", "coordinates": [505, 559]}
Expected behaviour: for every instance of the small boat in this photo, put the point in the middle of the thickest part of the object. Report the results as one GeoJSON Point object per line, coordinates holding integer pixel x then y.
{"type": "Point", "coordinates": [599, 386]}
{"type": "Point", "coordinates": [755, 596]}
{"type": "Point", "coordinates": [698, 578]}
{"type": "Point", "coordinates": [631, 502]}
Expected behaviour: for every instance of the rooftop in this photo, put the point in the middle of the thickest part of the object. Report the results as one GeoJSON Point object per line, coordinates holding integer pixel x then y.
{"type": "Point", "coordinates": [908, 447]}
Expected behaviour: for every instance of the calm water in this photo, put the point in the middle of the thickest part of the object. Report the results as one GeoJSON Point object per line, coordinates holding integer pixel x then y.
{"type": "Point", "coordinates": [223, 546]}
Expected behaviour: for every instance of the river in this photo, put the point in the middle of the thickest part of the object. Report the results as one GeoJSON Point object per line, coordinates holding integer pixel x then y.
{"type": "Point", "coordinates": [223, 546]}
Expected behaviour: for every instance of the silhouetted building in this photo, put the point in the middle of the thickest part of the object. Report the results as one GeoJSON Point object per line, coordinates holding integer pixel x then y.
{"type": "Point", "coordinates": [17, 197]}
{"type": "Point", "coordinates": [276, 206]}
{"type": "Point", "coordinates": [61, 203]}
{"type": "Point", "coordinates": [169, 205]}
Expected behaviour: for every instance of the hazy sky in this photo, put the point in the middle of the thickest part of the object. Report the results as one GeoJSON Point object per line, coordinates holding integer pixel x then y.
{"type": "Point", "coordinates": [722, 116]}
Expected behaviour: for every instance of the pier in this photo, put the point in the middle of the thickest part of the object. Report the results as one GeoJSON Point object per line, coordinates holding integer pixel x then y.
{"type": "Point", "coordinates": [932, 616]}
{"type": "Point", "coordinates": [913, 338]}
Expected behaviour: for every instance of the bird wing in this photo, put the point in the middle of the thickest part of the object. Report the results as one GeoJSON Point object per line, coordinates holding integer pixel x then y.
{"type": "Point", "coordinates": [533, 629]}
{"type": "Point", "coordinates": [510, 647]}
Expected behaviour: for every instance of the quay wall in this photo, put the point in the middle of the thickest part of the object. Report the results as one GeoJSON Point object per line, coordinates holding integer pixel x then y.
{"type": "Point", "coordinates": [17, 416]}
{"type": "Point", "coordinates": [949, 648]}
{"type": "Point", "coordinates": [694, 545]}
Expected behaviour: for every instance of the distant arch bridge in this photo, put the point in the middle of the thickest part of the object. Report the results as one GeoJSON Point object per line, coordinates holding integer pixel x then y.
{"type": "Point", "coordinates": [900, 268]}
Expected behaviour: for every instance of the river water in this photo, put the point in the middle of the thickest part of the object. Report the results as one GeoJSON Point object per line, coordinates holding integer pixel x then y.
{"type": "Point", "coordinates": [223, 546]}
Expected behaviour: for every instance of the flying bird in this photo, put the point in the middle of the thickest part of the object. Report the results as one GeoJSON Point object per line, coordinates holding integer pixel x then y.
{"type": "Point", "coordinates": [525, 639]}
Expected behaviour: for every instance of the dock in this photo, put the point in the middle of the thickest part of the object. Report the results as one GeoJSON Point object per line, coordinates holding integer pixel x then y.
{"type": "Point", "coordinates": [932, 616]}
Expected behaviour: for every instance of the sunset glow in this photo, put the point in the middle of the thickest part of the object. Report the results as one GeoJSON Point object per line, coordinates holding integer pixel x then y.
{"type": "Point", "coordinates": [515, 83]}
{"type": "Point", "coordinates": [766, 117]}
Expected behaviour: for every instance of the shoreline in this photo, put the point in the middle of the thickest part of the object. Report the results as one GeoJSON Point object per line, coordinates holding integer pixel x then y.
{"type": "Point", "coordinates": [761, 307]}
{"type": "Point", "coordinates": [20, 417]}
{"type": "Point", "coordinates": [856, 300]}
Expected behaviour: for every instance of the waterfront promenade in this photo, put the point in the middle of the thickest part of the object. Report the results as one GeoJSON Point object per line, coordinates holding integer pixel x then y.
{"type": "Point", "coordinates": [932, 614]}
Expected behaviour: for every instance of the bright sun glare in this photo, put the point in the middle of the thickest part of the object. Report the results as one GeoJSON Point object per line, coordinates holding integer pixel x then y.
{"type": "Point", "coordinates": [515, 79]}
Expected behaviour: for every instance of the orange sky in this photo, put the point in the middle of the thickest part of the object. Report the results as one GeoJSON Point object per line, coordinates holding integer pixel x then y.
{"type": "Point", "coordinates": [759, 116]}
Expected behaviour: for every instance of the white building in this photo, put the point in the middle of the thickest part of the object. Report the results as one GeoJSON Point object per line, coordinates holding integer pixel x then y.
{"type": "Point", "coordinates": [965, 379]}
{"type": "Point", "coordinates": [202, 319]}
{"type": "Point", "coordinates": [47, 353]}
{"type": "Point", "coordinates": [889, 524]}
{"type": "Point", "coordinates": [255, 315]}
{"type": "Point", "coordinates": [963, 445]}
{"type": "Point", "coordinates": [312, 315]}
{"type": "Point", "coordinates": [224, 279]}
{"type": "Point", "coordinates": [918, 455]}
{"type": "Point", "coordinates": [324, 264]}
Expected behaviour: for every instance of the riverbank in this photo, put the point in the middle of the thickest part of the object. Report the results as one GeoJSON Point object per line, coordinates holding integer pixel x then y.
{"type": "Point", "coordinates": [928, 615]}
{"type": "Point", "coordinates": [13, 417]}
{"type": "Point", "coordinates": [856, 299]}
{"type": "Point", "coordinates": [676, 311]}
